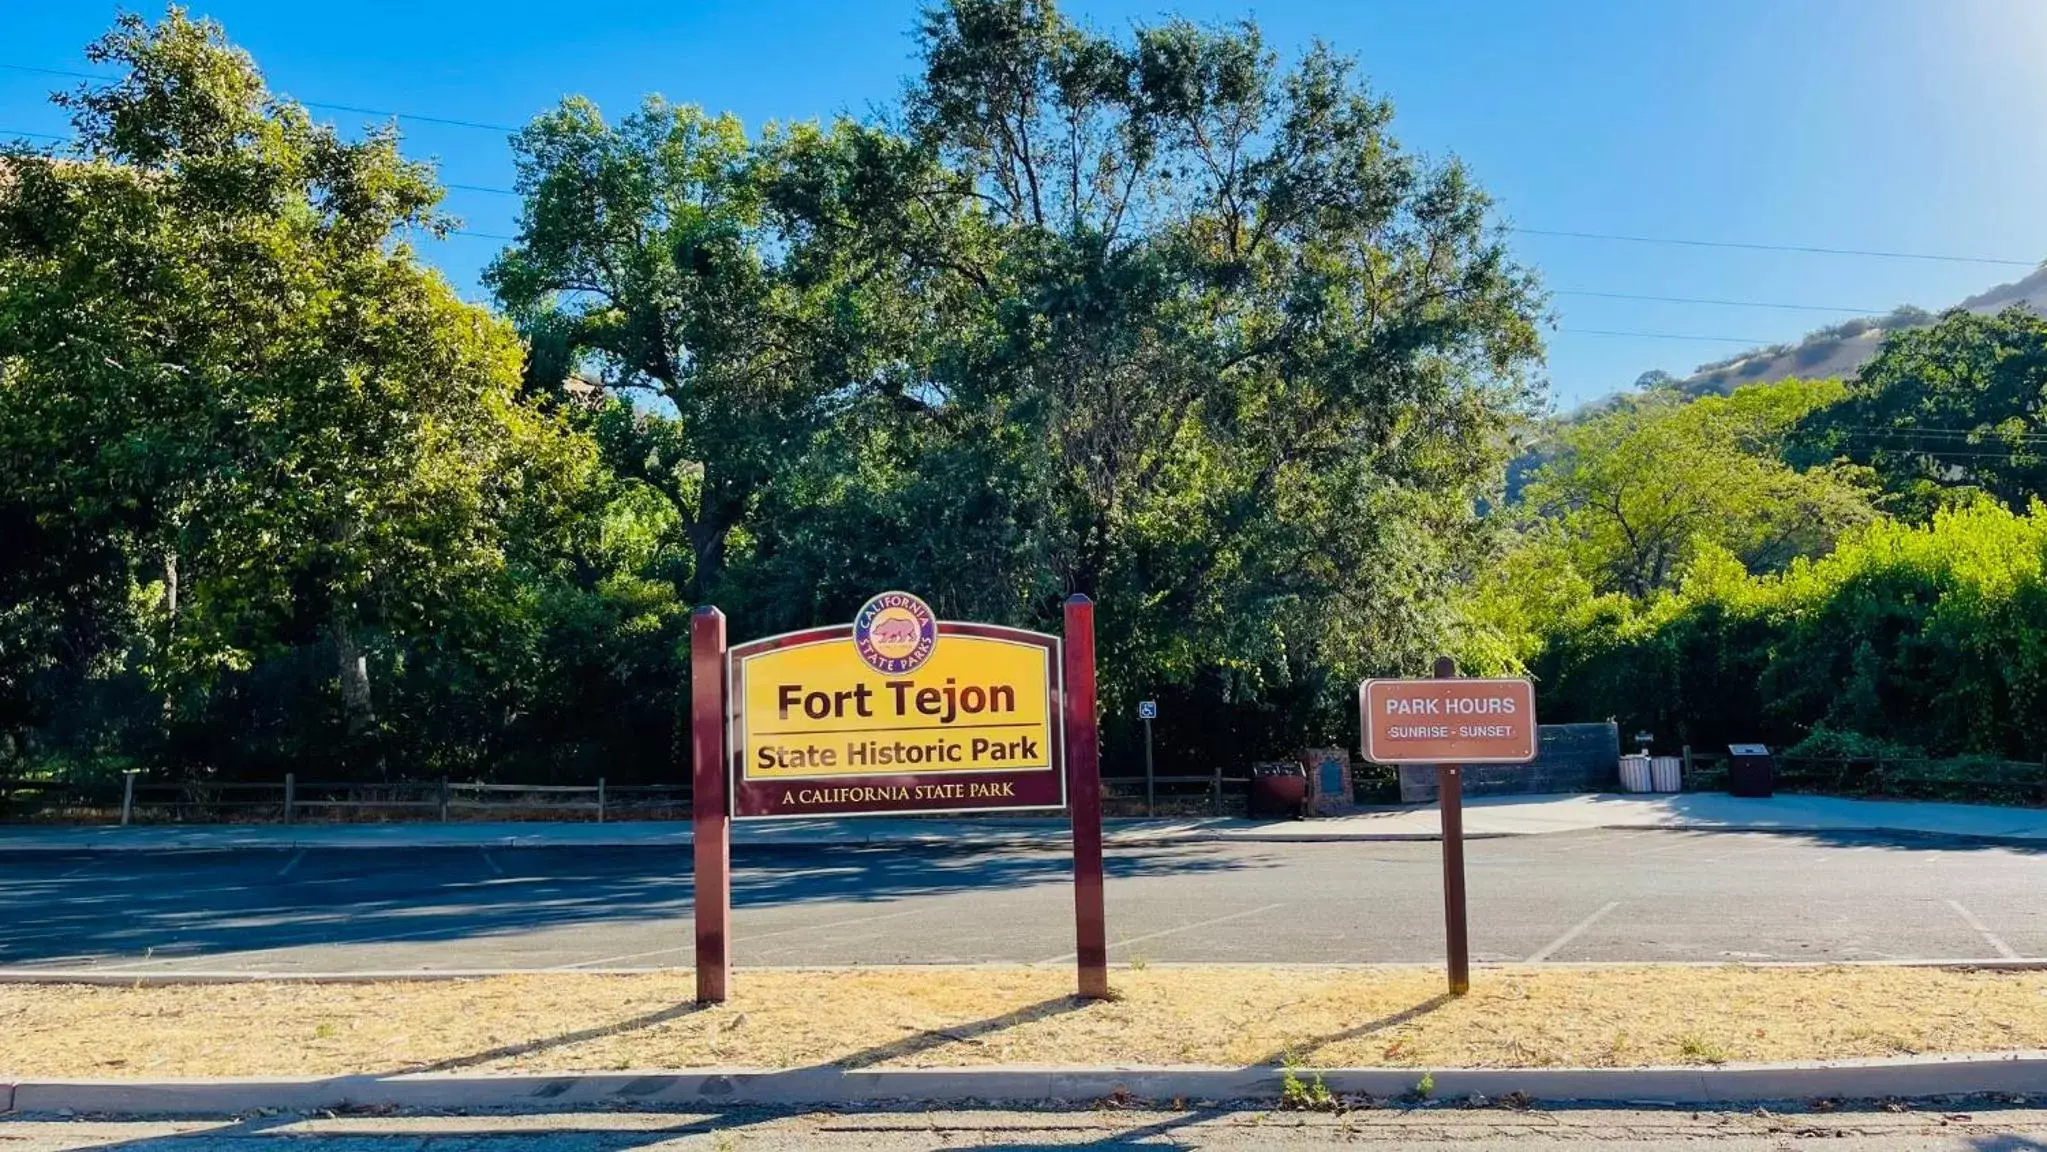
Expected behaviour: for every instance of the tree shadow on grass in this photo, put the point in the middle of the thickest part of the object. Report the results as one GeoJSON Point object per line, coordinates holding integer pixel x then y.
{"type": "Point", "coordinates": [1303, 1051]}
{"type": "Point", "coordinates": [527, 1048]}
{"type": "Point", "coordinates": [930, 1038]}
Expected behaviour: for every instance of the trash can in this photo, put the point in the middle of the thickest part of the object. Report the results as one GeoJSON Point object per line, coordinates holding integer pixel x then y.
{"type": "Point", "coordinates": [1751, 770]}
{"type": "Point", "coordinates": [1666, 774]}
{"type": "Point", "coordinates": [1279, 789]}
{"type": "Point", "coordinates": [1635, 776]}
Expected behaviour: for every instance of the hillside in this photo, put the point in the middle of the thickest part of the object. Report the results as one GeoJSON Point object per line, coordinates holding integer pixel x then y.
{"type": "Point", "coordinates": [1843, 348]}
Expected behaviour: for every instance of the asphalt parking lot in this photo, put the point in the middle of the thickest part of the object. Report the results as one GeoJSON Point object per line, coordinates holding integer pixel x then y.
{"type": "Point", "coordinates": [1580, 896]}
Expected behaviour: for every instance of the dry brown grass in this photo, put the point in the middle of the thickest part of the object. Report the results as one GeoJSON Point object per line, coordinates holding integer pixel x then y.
{"type": "Point", "coordinates": [1514, 1017]}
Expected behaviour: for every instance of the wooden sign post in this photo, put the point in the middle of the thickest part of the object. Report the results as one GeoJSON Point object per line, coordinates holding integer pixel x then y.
{"type": "Point", "coordinates": [897, 713]}
{"type": "Point", "coordinates": [1449, 722]}
{"type": "Point", "coordinates": [710, 820]}
{"type": "Point", "coordinates": [1450, 799]}
{"type": "Point", "coordinates": [1084, 791]}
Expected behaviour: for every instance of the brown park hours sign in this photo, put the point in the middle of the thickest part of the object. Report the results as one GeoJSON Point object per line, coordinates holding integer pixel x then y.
{"type": "Point", "coordinates": [1449, 721]}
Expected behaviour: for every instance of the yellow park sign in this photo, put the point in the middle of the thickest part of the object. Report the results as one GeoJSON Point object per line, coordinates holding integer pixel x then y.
{"type": "Point", "coordinates": [898, 712]}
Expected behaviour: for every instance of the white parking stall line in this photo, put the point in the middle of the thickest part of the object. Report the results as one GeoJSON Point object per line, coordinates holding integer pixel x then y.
{"type": "Point", "coordinates": [1604, 840]}
{"type": "Point", "coordinates": [1747, 844]}
{"type": "Point", "coordinates": [1989, 937]}
{"type": "Point", "coordinates": [130, 966]}
{"type": "Point", "coordinates": [1128, 940]}
{"type": "Point", "coordinates": [1685, 840]}
{"type": "Point", "coordinates": [736, 940]}
{"type": "Point", "coordinates": [1575, 931]}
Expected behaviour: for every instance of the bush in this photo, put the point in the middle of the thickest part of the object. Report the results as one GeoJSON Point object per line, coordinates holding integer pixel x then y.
{"type": "Point", "coordinates": [1909, 640]}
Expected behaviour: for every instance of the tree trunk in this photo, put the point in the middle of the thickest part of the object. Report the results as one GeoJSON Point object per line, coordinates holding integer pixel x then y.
{"type": "Point", "coordinates": [707, 546]}
{"type": "Point", "coordinates": [719, 509]}
{"type": "Point", "coordinates": [357, 714]}
{"type": "Point", "coordinates": [170, 628]}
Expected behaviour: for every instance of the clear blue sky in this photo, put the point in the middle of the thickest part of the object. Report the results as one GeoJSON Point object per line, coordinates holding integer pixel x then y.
{"type": "Point", "coordinates": [1898, 125]}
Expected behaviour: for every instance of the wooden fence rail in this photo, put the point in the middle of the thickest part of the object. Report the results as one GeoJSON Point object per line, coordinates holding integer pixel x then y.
{"type": "Point", "coordinates": [143, 800]}
{"type": "Point", "coordinates": [288, 799]}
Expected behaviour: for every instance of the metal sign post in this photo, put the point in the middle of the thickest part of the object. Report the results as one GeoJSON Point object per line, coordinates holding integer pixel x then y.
{"type": "Point", "coordinates": [1147, 711]}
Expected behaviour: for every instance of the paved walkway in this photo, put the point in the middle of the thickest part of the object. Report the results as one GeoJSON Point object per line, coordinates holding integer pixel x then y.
{"type": "Point", "coordinates": [1935, 1127]}
{"type": "Point", "coordinates": [1487, 816]}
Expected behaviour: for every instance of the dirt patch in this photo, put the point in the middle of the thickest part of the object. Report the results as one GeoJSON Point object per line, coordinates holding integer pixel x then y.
{"type": "Point", "coordinates": [1513, 1018]}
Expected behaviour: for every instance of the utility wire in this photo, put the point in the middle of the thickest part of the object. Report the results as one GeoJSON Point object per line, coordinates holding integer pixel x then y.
{"type": "Point", "coordinates": [356, 108]}
{"type": "Point", "coordinates": [1806, 248]}
{"type": "Point", "coordinates": [1665, 336]}
{"type": "Point", "coordinates": [1752, 341]}
{"type": "Point", "coordinates": [1700, 300]}
{"type": "Point", "coordinates": [1937, 437]}
{"type": "Point", "coordinates": [1574, 234]}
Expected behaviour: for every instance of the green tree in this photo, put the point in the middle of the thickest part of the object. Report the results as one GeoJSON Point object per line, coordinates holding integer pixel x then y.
{"type": "Point", "coordinates": [1241, 366]}
{"type": "Point", "coordinates": [653, 258]}
{"type": "Point", "coordinates": [1638, 492]}
{"type": "Point", "coordinates": [219, 355]}
{"type": "Point", "coordinates": [1956, 407]}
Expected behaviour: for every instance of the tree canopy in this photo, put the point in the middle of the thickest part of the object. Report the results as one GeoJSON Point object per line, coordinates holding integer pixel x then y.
{"type": "Point", "coordinates": [1162, 316]}
{"type": "Point", "coordinates": [1641, 490]}
{"type": "Point", "coordinates": [1956, 407]}
{"type": "Point", "coordinates": [222, 363]}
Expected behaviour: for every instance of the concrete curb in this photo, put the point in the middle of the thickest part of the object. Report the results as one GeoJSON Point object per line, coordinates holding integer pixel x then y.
{"type": "Point", "coordinates": [105, 978]}
{"type": "Point", "coordinates": [1990, 838]}
{"type": "Point", "coordinates": [2019, 1072]}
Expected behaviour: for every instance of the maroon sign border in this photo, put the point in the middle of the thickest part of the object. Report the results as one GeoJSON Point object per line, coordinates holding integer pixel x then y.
{"type": "Point", "coordinates": [1055, 723]}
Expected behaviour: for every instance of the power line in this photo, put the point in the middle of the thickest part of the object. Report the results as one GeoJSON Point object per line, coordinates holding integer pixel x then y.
{"type": "Point", "coordinates": [1752, 341]}
{"type": "Point", "coordinates": [411, 116]}
{"type": "Point", "coordinates": [1937, 436]}
{"type": "Point", "coordinates": [1755, 247]}
{"type": "Point", "coordinates": [356, 108]}
{"type": "Point", "coordinates": [1574, 234]}
{"type": "Point", "coordinates": [451, 231]}
{"type": "Point", "coordinates": [2025, 461]}
{"type": "Point", "coordinates": [1555, 232]}
{"type": "Point", "coordinates": [451, 186]}
{"type": "Point", "coordinates": [1664, 336]}
{"type": "Point", "coordinates": [1723, 303]}
{"type": "Point", "coordinates": [54, 71]}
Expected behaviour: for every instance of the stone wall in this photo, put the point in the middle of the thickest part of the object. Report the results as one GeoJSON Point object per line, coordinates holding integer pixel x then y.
{"type": "Point", "coordinates": [1568, 758]}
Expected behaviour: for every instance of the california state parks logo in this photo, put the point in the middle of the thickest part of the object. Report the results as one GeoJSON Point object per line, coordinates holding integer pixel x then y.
{"type": "Point", "coordinates": [895, 633]}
